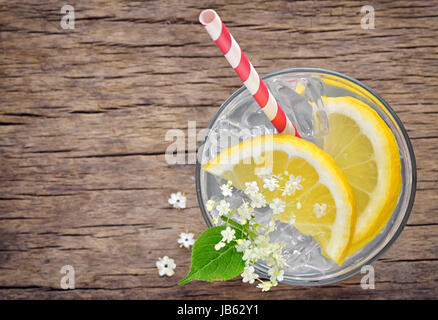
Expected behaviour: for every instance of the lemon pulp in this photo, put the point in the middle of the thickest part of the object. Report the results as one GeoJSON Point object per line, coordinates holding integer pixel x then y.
{"type": "Point", "coordinates": [364, 148]}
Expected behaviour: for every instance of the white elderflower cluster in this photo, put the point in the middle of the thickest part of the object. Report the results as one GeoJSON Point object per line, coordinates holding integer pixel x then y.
{"type": "Point", "coordinates": [254, 240]}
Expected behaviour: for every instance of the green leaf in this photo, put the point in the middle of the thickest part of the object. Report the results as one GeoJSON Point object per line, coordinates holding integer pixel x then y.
{"type": "Point", "coordinates": [209, 264]}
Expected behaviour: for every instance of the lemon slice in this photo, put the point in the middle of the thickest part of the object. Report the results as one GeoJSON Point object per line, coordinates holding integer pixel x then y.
{"type": "Point", "coordinates": [322, 204]}
{"type": "Point", "coordinates": [365, 149]}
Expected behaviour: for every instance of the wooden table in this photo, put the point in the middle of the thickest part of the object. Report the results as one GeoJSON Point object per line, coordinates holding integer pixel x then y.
{"type": "Point", "coordinates": [83, 118]}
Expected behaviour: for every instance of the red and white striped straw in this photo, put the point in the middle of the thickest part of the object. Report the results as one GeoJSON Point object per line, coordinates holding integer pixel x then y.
{"type": "Point", "coordinates": [245, 70]}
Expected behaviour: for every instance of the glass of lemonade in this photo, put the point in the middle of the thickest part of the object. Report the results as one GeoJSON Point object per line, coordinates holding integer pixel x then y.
{"type": "Point", "coordinates": [299, 93]}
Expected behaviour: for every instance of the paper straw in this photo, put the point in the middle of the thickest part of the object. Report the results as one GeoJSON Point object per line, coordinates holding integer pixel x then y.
{"type": "Point", "coordinates": [245, 70]}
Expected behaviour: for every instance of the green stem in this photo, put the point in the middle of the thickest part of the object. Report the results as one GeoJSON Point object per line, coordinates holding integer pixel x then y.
{"type": "Point", "coordinates": [238, 226]}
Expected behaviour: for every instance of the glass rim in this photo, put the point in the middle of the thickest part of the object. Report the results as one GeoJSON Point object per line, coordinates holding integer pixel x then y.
{"type": "Point", "coordinates": [405, 138]}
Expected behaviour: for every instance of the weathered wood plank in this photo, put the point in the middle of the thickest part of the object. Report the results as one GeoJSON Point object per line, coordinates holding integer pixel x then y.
{"type": "Point", "coordinates": [83, 115]}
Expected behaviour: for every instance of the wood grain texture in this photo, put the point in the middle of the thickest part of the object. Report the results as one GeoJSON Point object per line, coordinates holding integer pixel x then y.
{"type": "Point", "coordinates": [83, 114]}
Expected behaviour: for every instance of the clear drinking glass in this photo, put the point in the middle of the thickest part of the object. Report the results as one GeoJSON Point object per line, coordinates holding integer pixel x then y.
{"type": "Point", "coordinates": [298, 91]}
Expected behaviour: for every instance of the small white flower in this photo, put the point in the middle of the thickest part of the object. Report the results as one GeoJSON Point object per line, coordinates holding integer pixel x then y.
{"type": "Point", "coordinates": [250, 254]}
{"type": "Point", "coordinates": [292, 185]}
{"type": "Point", "coordinates": [210, 205]}
{"type": "Point", "coordinates": [275, 274]}
{"type": "Point", "coordinates": [265, 286]}
{"type": "Point", "coordinates": [261, 250]}
{"type": "Point", "coordinates": [277, 206]}
{"type": "Point", "coordinates": [245, 212]}
{"type": "Point", "coordinates": [251, 188]}
{"type": "Point", "coordinates": [228, 234]}
{"type": "Point", "coordinates": [227, 189]}
{"type": "Point", "coordinates": [319, 209]}
{"type": "Point", "coordinates": [219, 245]}
{"type": "Point", "coordinates": [223, 207]}
{"type": "Point", "coordinates": [177, 200]}
{"type": "Point", "coordinates": [248, 275]}
{"type": "Point", "coordinates": [262, 240]}
{"type": "Point", "coordinates": [242, 245]}
{"type": "Point", "coordinates": [296, 181]}
{"type": "Point", "coordinates": [165, 266]}
{"type": "Point", "coordinates": [186, 239]}
{"type": "Point", "coordinates": [270, 183]}
{"type": "Point", "coordinates": [263, 172]}
{"type": "Point", "coordinates": [258, 201]}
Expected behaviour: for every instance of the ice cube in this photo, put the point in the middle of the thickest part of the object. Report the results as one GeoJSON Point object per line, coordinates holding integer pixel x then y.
{"type": "Point", "coordinates": [301, 100]}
